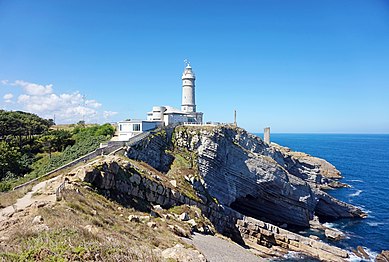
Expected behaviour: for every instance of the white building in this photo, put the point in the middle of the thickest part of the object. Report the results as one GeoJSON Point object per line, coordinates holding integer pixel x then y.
{"type": "Point", "coordinates": [128, 129]}
{"type": "Point", "coordinates": [170, 115]}
{"type": "Point", "coordinates": [166, 115]}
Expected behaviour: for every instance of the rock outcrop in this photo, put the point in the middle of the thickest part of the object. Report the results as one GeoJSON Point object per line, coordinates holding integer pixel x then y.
{"type": "Point", "coordinates": [242, 172]}
{"type": "Point", "coordinates": [383, 256]}
{"type": "Point", "coordinates": [268, 239]}
{"type": "Point", "coordinates": [180, 253]}
{"type": "Point", "coordinates": [316, 171]}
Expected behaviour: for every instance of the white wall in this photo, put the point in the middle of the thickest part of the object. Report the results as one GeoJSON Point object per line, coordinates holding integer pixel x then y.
{"type": "Point", "coordinates": [175, 118]}
{"type": "Point", "coordinates": [126, 128]}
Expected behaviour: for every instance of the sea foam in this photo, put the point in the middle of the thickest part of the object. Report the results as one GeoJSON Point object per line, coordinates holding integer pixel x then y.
{"type": "Point", "coordinates": [356, 193]}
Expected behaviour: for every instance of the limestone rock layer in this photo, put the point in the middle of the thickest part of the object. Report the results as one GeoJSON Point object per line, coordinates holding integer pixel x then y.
{"type": "Point", "coordinates": [242, 172]}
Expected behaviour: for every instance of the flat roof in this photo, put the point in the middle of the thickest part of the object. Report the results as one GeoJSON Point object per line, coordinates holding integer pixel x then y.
{"type": "Point", "coordinates": [140, 121]}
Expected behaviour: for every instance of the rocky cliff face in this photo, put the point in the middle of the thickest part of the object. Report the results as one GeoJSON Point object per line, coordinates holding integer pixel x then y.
{"type": "Point", "coordinates": [242, 172]}
{"type": "Point", "coordinates": [138, 183]}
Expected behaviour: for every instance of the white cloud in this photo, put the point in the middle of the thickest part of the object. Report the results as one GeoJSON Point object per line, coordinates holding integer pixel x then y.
{"type": "Point", "coordinates": [4, 82]}
{"type": "Point", "coordinates": [66, 107]}
{"type": "Point", "coordinates": [8, 96]}
{"type": "Point", "coordinates": [92, 103]}
{"type": "Point", "coordinates": [108, 114]}
{"type": "Point", "coordinates": [34, 89]}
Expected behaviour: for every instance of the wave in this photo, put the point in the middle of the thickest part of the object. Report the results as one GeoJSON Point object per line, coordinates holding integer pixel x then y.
{"type": "Point", "coordinates": [330, 225]}
{"type": "Point", "coordinates": [296, 256]}
{"type": "Point", "coordinates": [356, 193]}
{"type": "Point", "coordinates": [355, 258]}
{"type": "Point", "coordinates": [356, 180]}
{"type": "Point", "coordinates": [375, 224]}
{"type": "Point", "coordinates": [361, 207]}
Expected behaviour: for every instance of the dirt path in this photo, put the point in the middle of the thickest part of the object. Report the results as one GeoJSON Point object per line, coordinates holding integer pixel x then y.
{"type": "Point", "coordinates": [216, 249]}
{"type": "Point", "coordinates": [44, 191]}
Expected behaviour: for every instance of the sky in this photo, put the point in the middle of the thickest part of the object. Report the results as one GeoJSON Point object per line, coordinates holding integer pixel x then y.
{"type": "Point", "coordinates": [298, 66]}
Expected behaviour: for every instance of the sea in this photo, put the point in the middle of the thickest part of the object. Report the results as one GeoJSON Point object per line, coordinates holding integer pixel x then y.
{"type": "Point", "coordinates": [363, 160]}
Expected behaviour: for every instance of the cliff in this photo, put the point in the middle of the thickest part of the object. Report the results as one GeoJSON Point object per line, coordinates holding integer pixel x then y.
{"type": "Point", "coordinates": [138, 185]}
{"type": "Point", "coordinates": [242, 172]}
{"type": "Point", "coordinates": [175, 182]}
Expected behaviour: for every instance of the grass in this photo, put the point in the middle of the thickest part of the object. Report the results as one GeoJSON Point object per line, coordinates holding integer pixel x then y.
{"type": "Point", "coordinates": [87, 226]}
{"type": "Point", "coordinates": [10, 198]}
{"type": "Point", "coordinates": [183, 165]}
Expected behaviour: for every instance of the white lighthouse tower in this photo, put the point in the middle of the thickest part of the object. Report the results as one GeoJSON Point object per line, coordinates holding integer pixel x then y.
{"type": "Point", "coordinates": [188, 114]}
{"type": "Point", "coordinates": [188, 90]}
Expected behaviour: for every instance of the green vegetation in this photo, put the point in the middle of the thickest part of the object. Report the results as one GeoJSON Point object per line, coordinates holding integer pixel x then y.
{"type": "Point", "coordinates": [184, 165]}
{"type": "Point", "coordinates": [18, 133]}
{"type": "Point", "coordinates": [29, 148]}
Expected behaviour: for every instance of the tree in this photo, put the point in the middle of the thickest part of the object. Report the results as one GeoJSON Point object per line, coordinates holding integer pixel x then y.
{"type": "Point", "coordinates": [62, 139]}
{"type": "Point", "coordinates": [81, 123]}
{"type": "Point", "coordinates": [9, 160]}
{"type": "Point", "coordinates": [105, 130]}
{"type": "Point", "coordinates": [21, 125]}
{"type": "Point", "coordinates": [48, 142]}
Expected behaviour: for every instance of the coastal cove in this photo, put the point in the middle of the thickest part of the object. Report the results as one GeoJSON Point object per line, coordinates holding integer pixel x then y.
{"type": "Point", "coordinates": [363, 160]}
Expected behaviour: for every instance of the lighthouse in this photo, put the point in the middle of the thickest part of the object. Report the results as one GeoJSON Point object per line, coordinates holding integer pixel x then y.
{"type": "Point", "coordinates": [188, 114]}
{"type": "Point", "coordinates": [188, 90]}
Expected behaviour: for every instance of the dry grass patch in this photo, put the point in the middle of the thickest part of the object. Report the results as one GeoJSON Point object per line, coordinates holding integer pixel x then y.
{"type": "Point", "coordinates": [10, 198]}
{"type": "Point", "coordinates": [87, 226]}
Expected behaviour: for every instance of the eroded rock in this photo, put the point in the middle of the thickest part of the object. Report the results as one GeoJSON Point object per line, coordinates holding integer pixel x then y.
{"type": "Point", "coordinates": [334, 234]}
{"type": "Point", "coordinates": [37, 220]}
{"type": "Point", "coordinates": [184, 217]}
{"type": "Point", "coordinates": [383, 256]}
{"type": "Point", "coordinates": [180, 253]}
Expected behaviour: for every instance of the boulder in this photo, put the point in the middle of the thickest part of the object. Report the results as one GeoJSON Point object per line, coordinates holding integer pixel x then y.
{"type": "Point", "coordinates": [133, 218]}
{"type": "Point", "coordinates": [383, 256]}
{"type": "Point", "coordinates": [154, 214]}
{"type": "Point", "coordinates": [179, 231]}
{"type": "Point", "coordinates": [37, 220]}
{"type": "Point", "coordinates": [180, 253]}
{"type": "Point", "coordinates": [334, 234]}
{"type": "Point", "coordinates": [184, 217]}
{"type": "Point", "coordinates": [362, 252]}
{"type": "Point", "coordinates": [173, 183]}
{"type": "Point", "coordinates": [152, 224]}
{"type": "Point", "coordinates": [157, 208]}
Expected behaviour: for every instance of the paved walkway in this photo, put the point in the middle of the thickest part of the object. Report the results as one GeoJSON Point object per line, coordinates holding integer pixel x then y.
{"type": "Point", "coordinates": [216, 249]}
{"type": "Point", "coordinates": [30, 198]}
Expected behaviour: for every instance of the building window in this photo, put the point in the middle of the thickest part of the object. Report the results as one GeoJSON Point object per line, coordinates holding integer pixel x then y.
{"type": "Point", "coordinates": [120, 127]}
{"type": "Point", "coordinates": [136, 127]}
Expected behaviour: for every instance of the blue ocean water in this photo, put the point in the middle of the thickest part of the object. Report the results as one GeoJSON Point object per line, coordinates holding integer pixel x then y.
{"type": "Point", "coordinates": [363, 161]}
